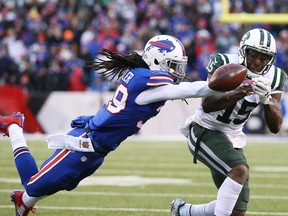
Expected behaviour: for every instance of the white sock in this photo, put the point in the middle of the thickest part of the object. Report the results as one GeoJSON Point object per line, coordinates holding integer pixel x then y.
{"type": "Point", "coordinates": [16, 136]}
{"type": "Point", "coordinates": [203, 209]}
{"type": "Point", "coordinates": [198, 210]}
{"type": "Point", "coordinates": [227, 196]}
{"type": "Point", "coordinates": [30, 201]}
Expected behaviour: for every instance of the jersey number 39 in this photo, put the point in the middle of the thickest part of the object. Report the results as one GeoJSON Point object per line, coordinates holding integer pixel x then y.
{"type": "Point", "coordinates": [119, 100]}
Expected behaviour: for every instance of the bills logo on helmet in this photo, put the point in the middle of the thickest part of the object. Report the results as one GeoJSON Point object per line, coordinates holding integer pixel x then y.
{"type": "Point", "coordinates": [162, 45]}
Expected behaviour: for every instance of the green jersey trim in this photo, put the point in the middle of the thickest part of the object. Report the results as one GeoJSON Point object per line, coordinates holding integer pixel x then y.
{"type": "Point", "coordinates": [279, 79]}
{"type": "Point", "coordinates": [216, 61]}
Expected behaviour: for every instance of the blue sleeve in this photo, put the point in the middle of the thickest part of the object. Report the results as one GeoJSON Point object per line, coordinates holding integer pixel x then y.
{"type": "Point", "coordinates": [80, 121]}
{"type": "Point", "coordinates": [159, 78]}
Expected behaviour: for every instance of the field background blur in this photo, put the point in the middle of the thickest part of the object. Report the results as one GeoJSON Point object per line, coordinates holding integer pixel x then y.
{"type": "Point", "coordinates": [44, 47]}
{"type": "Point", "coordinates": [143, 176]}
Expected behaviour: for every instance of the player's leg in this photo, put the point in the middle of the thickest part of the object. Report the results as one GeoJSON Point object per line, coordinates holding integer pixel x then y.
{"type": "Point", "coordinates": [180, 208]}
{"type": "Point", "coordinates": [64, 169]}
{"type": "Point", "coordinates": [12, 126]}
{"type": "Point", "coordinates": [216, 152]}
{"type": "Point", "coordinates": [241, 205]}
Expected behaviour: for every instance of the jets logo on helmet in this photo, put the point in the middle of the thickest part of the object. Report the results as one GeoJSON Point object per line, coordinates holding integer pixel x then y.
{"type": "Point", "coordinates": [245, 37]}
{"type": "Point", "coordinates": [162, 46]}
{"type": "Point", "coordinates": [165, 52]}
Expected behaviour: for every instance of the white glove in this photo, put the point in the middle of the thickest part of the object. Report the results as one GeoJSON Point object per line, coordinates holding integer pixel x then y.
{"type": "Point", "coordinates": [262, 87]}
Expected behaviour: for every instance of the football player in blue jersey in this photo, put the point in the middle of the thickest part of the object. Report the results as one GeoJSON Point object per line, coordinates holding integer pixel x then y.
{"type": "Point", "coordinates": [215, 133]}
{"type": "Point", "coordinates": [146, 82]}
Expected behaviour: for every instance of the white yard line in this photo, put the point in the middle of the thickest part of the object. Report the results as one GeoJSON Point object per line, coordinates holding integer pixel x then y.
{"type": "Point", "coordinates": [172, 195]}
{"type": "Point", "coordinates": [257, 138]}
{"type": "Point", "coordinates": [127, 181]}
{"type": "Point", "coordinates": [75, 208]}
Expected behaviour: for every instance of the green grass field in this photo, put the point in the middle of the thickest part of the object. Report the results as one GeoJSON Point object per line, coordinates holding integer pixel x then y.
{"type": "Point", "coordinates": [142, 177]}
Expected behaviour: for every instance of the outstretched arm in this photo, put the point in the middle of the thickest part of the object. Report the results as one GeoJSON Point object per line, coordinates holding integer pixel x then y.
{"type": "Point", "coordinates": [173, 92]}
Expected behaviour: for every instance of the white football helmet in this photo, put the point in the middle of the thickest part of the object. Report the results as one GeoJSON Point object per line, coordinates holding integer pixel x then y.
{"type": "Point", "coordinates": [261, 41]}
{"type": "Point", "coordinates": [165, 52]}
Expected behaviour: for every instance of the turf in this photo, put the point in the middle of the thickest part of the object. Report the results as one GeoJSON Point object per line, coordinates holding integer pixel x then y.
{"type": "Point", "coordinates": [142, 177]}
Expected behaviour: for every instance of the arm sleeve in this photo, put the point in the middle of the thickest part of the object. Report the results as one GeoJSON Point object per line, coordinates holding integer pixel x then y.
{"type": "Point", "coordinates": [173, 92]}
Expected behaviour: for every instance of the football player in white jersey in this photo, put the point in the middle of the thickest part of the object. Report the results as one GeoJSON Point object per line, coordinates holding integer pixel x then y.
{"type": "Point", "coordinates": [215, 132]}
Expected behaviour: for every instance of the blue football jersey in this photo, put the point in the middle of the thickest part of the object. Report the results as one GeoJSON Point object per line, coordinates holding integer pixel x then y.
{"type": "Point", "coordinates": [121, 116]}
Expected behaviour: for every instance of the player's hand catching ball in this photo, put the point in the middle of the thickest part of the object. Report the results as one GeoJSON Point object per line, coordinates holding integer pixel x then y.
{"type": "Point", "coordinates": [247, 87]}
{"type": "Point", "coordinates": [262, 87]}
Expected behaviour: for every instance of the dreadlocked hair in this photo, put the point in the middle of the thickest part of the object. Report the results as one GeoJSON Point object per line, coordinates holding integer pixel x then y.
{"type": "Point", "coordinates": [116, 64]}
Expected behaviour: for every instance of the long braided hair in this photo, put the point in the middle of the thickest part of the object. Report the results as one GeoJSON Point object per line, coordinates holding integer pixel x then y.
{"type": "Point", "coordinates": [116, 64]}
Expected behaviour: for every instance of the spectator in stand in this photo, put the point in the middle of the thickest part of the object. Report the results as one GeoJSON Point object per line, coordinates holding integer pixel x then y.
{"type": "Point", "coordinates": [49, 24]}
{"type": "Point", "coordinates": [204, 47]}
{"type": "Point", "coordinates": [225, 39]}
{"type": "Point", "coordinates": [7, 64]}
{"type": "Point", "coordinates": [282, 47]}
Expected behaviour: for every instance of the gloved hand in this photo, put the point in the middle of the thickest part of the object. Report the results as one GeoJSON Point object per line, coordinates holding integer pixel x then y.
{"type": "Point", "coordinates": [80, 122]}
{"type": "Point", "coordinates": [262, 87]}
{"type": "Point", "coordinates": [247, 87]}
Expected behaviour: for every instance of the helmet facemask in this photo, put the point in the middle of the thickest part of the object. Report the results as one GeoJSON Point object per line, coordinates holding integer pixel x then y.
{"type": "Point", "coordinates": [257, 52]}
{"type": "Point", "coordinates": [176, 68]}
{"type": "Point", "coordinates": [257, 61]}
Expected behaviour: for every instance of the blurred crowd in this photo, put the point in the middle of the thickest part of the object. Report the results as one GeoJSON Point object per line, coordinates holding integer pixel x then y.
{"type": "Point", "coordinates": [46, 45]}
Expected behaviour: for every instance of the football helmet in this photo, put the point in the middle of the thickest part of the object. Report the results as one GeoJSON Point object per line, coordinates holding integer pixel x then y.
{"type": "Point", "coordinates": [165, 52]}
{"type": "Point", "coordinates": [258, 40]}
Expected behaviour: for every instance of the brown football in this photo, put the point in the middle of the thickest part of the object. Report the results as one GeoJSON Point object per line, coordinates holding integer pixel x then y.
{"type": "Point", "coordinates": [227, 77]}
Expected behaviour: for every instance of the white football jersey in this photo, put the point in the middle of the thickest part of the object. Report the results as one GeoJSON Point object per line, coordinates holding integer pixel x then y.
{"type": "Point", "coordinates": [231, 120]}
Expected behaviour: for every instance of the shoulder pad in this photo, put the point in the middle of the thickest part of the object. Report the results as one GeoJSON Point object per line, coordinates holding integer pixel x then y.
{"type": "Point", "coordinates": [279, 78]}
{"type": "Point", "coordinates": [216, 61]}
